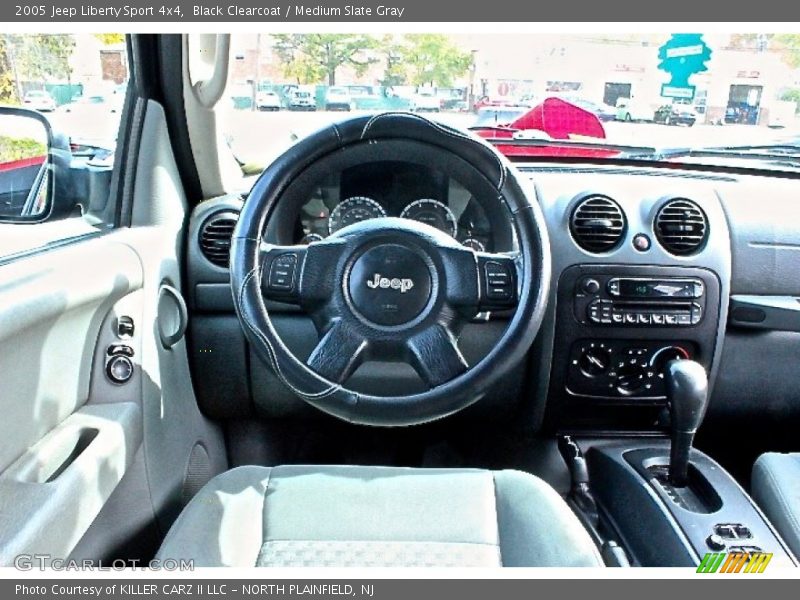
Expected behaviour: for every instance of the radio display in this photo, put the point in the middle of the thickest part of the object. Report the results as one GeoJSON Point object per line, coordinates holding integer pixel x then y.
{"type": "Point", "coordinates": [657, 288]}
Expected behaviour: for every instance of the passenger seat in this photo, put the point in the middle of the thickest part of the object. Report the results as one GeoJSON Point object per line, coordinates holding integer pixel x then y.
{"type": "Point", "coordinates": [775, 487]}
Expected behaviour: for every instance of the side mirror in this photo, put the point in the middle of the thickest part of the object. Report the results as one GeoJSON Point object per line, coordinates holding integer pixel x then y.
{"type": "Point", "coordinates": [26, 165]}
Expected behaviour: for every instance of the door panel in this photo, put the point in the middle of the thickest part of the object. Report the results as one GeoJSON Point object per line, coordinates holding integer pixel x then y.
{"type": "Point", "coordinates": [76, 447]}
{"type": "Point", "coordinates": [61, 455]}
{"type": "Point", "coordinates": [51, 308]}
{"type": "Point", "coordinates": [54, 491]}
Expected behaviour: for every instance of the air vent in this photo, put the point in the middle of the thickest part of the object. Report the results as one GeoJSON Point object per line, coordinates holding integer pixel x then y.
{"type": "Point", "coordinates": [681, 227]}
{"type": "Point", "coordinates": [597, 223]}
{"type": "Point", "coordinates": [215, 237]}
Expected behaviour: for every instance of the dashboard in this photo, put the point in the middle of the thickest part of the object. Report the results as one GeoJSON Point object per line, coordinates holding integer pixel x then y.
{"type": "Point", "coordinates": [662, 297]}
{"type": "Point", "coordinates": [396, 189]}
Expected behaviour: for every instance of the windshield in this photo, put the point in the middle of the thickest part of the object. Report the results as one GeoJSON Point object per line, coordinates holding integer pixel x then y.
{"type": "Point", "coordinates": [654, 96]}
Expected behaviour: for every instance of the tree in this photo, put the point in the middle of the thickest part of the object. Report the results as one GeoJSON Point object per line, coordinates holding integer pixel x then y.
{"type": "Point", "coordinates": [433, 59]}
{"type": "Point", "coordinates": [110, 39]}
{"type": "Point", "coordinates": [311, 58]}
{"type": "Point", "coordinates": [394, 71]}
{"type": "Point", "coordinates": [792, 95]}
{"type": "Point", "coordinates": [43, 56]}
{"type": "Point", "coordinates": [788, 44]}
{"type": "Point", "coordinates": [8, 90]}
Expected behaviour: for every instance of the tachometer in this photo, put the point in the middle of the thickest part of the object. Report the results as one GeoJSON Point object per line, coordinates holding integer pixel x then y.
{"type": "Point", "coordinates": [433, 213]}
{"type": "Point", "coordinates": [354, 210]}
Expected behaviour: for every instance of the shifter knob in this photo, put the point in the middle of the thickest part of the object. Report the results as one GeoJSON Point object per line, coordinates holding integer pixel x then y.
{"type": "Point", "coordinates": [687, 393]}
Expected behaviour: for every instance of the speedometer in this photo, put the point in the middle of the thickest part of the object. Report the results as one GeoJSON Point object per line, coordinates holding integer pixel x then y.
{"type": "Point", "coordinates": [433, 213]}
{"type": "Point", "coordinates": [354, 210]}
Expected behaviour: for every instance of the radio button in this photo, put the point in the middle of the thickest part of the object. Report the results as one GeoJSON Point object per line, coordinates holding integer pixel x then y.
{"type": "Point", "coordinates": [630, 319]}
{"type": "Point", "coordinates": [697, 312]}
{"type": "Point", "coordinates": [591, 286]}
{"type": "Point", "coordinates": [643, 318]}
{"type": "Point", "coordinates": [671, 319]}
{"type": "Point", "coordinates": [657, 319]}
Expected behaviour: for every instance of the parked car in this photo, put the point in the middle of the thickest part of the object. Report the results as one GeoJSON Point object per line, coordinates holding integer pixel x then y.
{"type": "Point", "coordinates": [425, 101]}
{"type": "Point", "coordinates": [498, 116]}
{"type": "Point", "coordinates": [90, 104]}
{"type": "Point", "coordinates": [268, 101]}
{"type": "Point", "coordinates": [676, 113]}
{"type": "Point", "coordinates": [338, 98]}
{"type": "Point", "coordinates": [301, 100]}
{"type": "Point", "coordinates": [630, 110]}
{"type": "Point", "coordinates": [487, 101]}
{"type": "Point", "coordinates": [601, 111]}
{"type": "Point", "coordinates": [39, 100]}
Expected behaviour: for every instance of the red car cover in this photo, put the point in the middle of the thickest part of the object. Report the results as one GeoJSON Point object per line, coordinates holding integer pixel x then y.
{"type": "Point", "coordinates": [559, 119]}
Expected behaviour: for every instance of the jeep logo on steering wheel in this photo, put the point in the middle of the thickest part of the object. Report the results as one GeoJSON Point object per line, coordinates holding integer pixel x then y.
{"type": "Point", "coordinates": [394, 283]}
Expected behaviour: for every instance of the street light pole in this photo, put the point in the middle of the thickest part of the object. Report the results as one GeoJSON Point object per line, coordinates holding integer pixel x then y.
{"type": "Point", "coordinates": [257, 74]}
{"type": "Point", "coordinates": [472, 68]}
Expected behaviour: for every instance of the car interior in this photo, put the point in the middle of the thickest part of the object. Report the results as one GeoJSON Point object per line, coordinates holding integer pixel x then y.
{"type": "Point", "coordinates": [507, 361]}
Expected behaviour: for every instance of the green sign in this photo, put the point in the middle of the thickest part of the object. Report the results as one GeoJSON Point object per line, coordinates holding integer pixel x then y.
{"type": "Point", "coordinates": [684, 55]}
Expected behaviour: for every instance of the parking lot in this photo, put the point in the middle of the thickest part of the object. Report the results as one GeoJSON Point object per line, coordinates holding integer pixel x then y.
{"type": "Point", "coordinates": [256, 136]}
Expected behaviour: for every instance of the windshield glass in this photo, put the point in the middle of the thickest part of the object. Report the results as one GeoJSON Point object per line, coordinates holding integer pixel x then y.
{"type": "Point", "coordinates": [659, 96]}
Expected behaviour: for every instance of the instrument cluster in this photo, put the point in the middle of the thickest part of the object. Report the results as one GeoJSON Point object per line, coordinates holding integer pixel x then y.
{"type": "Point", "coordinates": [395, 190]}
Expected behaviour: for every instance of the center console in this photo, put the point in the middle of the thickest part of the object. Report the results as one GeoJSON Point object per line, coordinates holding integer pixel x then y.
{"type": "Point", "coordinates": [632, 351]}
{"type": "Point", "coordinates": [664, 502]}
{"type": "Point", "coordinates": [617, 327]}
{"type": "Point", "coordinates": [661, 524]}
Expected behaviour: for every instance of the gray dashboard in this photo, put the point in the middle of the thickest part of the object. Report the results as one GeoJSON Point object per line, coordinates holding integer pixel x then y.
{"type": "Point", "coordinates": [752, 250]}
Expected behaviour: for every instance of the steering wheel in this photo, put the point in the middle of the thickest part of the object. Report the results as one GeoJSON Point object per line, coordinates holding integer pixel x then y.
{"type": "Point", "coordinates": [387, 288]}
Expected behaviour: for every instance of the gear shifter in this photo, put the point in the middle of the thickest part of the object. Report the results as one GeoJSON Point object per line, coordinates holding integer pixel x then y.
{"type": "Point", "coordinates": [687, 393]}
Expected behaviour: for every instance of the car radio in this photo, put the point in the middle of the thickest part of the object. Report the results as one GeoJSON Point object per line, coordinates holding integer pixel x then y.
{"type": "Point", "coordinates": [639, 301]}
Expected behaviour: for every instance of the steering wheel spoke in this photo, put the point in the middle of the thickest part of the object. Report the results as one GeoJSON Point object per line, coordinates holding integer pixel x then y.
{"type": "Point", "coordinates": [300, 274]}
{"type": "Point", "coordinates": [435, 356]}
{"type": "Point", "coordinates": [481, 281]}
{"type": "Point", "coordinates": [338, 354]}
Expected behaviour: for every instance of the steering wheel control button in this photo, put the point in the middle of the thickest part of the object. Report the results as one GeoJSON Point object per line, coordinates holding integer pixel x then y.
{"type": "Point", "coordinates": [499, 281]}
{"type": "Point", "coordinates": [119, 369]}
{"type": "Point", "coordinates": [641, 242]}
{"type": "Point", "coordinates": [390, 285]}
{"type": "Point", "coordinates": [281, 273]}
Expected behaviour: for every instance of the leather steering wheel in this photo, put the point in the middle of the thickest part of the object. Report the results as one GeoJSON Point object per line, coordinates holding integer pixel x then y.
{"type": "Point", "coordinates": [389, 288]}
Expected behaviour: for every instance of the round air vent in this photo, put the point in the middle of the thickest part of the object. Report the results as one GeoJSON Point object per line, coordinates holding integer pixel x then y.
{"type": "Point", "coordinates": [597, 223]}
{"type": "Point", "coordinates": [681, 226]}
{"type": "Point", "coordinates": [215, 237]}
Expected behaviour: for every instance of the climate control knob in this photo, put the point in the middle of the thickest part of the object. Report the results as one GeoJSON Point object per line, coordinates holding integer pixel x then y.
{"type": "Point", "coordinates": [595, 360]}
{"type": "Point", "coordinates": [663, 356]}
{"type": "Point", "coordinates": [631, 379]}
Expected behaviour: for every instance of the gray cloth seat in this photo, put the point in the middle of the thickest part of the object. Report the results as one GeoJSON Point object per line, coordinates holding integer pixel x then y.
{"type": "Point", "coordinates": [294, 516]}
{"type": "Point", "coordinates": [775, 487]}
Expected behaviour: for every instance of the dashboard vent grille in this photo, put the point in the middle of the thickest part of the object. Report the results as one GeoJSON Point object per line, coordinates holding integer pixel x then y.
{"type": "Point", "coordinates": [215, 237]}
{"type": "Point", "coordinates": [681, 226]}
{"type": "Point", "coordinates": [597, 224]}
